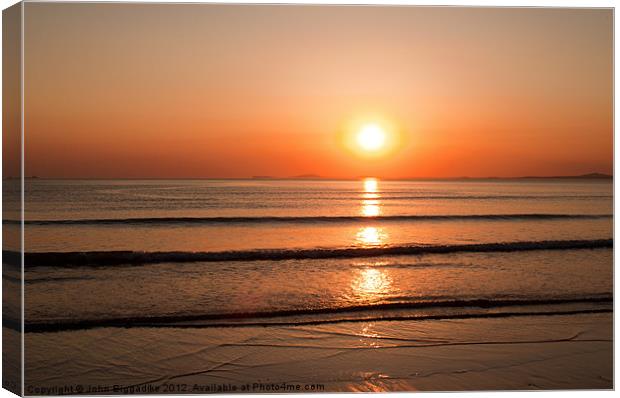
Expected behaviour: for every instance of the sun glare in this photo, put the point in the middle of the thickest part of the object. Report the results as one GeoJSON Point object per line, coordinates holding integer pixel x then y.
{"type": "Point", "coordinates": [371, 284]}
{"type": "Point", "coordinates": [370, 202]}
{"type": "Point", "coordinates": [371, 137]}
{"type": "Point", "coordinates": [371, 236]}
{"type": "Point", "coordinates": [370, 185]}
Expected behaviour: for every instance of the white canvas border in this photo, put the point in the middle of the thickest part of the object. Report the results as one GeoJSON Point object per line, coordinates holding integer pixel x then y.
{"type": "Point", "coordinates": [477, 3]}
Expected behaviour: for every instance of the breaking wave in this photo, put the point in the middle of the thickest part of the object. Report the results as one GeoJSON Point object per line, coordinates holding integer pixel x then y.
{"type": "Point", "coordinates": [107, 258]}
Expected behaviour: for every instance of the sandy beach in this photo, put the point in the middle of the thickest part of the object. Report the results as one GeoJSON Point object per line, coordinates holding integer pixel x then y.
{"type": "Point", "coordinates": [522, 353]}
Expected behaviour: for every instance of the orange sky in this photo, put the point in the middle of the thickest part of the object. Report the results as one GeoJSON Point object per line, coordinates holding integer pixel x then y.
{"type": "Point", "coordinates": [117, 90]}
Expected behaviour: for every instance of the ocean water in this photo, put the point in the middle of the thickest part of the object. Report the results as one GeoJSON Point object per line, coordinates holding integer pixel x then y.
{"type": "Point", "coordinates": [205, 253]}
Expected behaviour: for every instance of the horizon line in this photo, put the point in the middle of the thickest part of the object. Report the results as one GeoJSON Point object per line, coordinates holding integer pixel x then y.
{"type": "Point", "coordinates": [594, 175]}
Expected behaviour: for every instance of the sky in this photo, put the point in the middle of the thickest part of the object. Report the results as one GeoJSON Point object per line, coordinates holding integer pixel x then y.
{"type": "Point", "coordinates": [200, 91]}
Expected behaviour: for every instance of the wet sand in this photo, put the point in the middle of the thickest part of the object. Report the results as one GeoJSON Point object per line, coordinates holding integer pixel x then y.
{"type": "Point", "coordinates": [515, 353]}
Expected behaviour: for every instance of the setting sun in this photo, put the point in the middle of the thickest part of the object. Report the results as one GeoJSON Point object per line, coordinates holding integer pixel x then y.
{"type": "Point", "coordinates": [371, 137]}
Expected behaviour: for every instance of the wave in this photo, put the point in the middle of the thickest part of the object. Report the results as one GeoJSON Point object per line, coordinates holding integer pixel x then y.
{"type": "Point", "coordinates": [309, 219]}
{"type": "Point", "coordinates": [107, 258]}
{"type": "Point", "coordinates": [343, 314]}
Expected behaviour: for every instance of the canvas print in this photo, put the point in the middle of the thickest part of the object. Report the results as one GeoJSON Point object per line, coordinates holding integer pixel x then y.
{"type": "Point", "coordinates": [221, 198]}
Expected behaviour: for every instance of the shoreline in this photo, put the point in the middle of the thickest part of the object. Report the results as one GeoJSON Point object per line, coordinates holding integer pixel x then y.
{"type": "Point", "coordinates": [525, 353]}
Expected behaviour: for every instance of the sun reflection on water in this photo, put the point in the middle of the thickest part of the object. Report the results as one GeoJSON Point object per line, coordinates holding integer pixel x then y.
{"type": "Point", "coordinates": [370, 198]}
{"type": "Point", "coordinates": [370, 185]}
{"type": "Point", "coordinates": [368, 336]}
{"type": "Point", "coordinates": [371, 236]}
{"type": "Point", "coordinates": [366, 330]}
{"type": "Point", "coordinates": [370, 209]}
{"type": "Point", "coordinates": [371, 284]}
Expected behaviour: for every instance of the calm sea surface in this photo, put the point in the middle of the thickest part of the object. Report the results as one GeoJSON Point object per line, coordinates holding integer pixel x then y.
{"type": "Point", "coordinates": [230, 252]}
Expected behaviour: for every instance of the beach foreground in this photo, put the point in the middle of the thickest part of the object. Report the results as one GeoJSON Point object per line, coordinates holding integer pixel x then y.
{"type": "Point", "coordinates": [522, 353]}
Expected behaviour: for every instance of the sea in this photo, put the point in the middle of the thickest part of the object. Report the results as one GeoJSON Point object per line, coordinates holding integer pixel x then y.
{"type": "Point", "coordinates": [268, 252]}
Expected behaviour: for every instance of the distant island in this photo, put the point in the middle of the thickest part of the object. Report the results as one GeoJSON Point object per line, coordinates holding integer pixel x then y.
{"type": "Point", "coordinates": [582, 176]}
{"type": "Point", "coordinates": [298, 177]}
{"type": "Point", "coordinates": [309, 176]}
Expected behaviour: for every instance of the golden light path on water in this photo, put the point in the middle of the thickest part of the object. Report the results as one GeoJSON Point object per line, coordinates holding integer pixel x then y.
{"type": "Point", "coordinates": [371, 236]}
{"type": "Point", "coordinates": [370, 284]}
{"type": "Point", "coordinates": [371, 207]}
{"type": "Point", "coordinates": [370, 185]}
{"type": "Point", "coordinates": [370, 198]}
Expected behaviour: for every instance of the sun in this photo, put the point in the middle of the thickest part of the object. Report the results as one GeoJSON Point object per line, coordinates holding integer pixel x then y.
{"type": "Point", "coordinates": [371, 137]}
